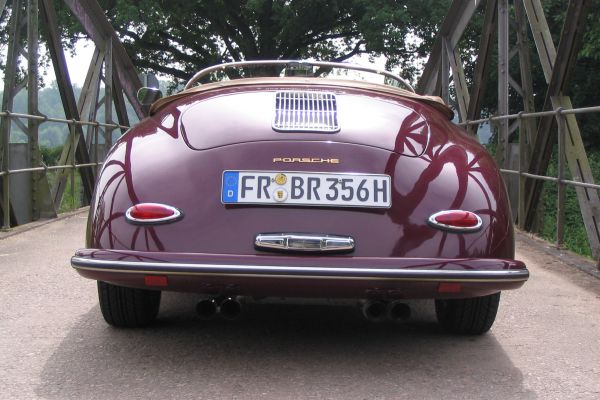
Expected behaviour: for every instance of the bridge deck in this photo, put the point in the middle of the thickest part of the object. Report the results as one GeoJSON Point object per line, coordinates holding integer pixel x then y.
{"type": "Point", "coordinates": [54, 343]}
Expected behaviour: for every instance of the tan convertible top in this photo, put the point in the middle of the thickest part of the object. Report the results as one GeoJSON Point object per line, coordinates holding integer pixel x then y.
{"type": "Point", "coordinates": [434, 101]}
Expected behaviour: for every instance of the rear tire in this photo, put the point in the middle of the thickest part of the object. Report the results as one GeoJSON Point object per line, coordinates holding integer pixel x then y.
{"type": "Point", "coordinates": [472, 316]}
{"type": "Point", "coordinates": [126, 307]}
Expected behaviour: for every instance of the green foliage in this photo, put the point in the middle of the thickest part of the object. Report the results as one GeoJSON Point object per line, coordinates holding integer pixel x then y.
{"type": "Point", "coordinates": [575, 235]}
{"type": "Point", "coordinates": [51, 155]}
{"type": "Point", "coordinates": [575, 238]}
{"type": "Point", "coordinates": [179, 37]}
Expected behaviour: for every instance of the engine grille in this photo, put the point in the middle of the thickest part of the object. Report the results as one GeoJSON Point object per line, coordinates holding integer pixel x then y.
{"type": "Point", "coordinates": [305, 111]}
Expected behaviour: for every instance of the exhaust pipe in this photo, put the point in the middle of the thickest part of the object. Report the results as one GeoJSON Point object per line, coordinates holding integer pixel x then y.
{"type": "Point", "coordinates": [206, 308]}
{"type": "Point", "coordinates": [398, 311]}
{"type": "Point", "coordinates": [230, 308]}
{"type": "Point", "coordinates": [374, 310]}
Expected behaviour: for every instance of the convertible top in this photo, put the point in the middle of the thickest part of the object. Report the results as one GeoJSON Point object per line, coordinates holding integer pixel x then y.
{"type": "Point", "coordinates": [433, 101]}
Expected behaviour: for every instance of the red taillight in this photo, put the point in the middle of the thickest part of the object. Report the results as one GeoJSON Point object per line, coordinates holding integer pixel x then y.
{"type": "Point", "coordinates": [456, 220]}
{"type": "Point", "coordinates": [152, 213]}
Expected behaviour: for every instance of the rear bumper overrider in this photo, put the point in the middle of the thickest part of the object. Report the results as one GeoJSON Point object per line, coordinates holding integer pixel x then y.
{"type": "Point", "coordinates": [319, 276]}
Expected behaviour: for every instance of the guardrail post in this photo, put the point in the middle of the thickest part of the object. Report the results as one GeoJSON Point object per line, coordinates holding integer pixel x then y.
{"type": "Point", "coordinates": [560, 202]}
{"type": "Point", "coordinates": [73, 162]}
{"type": "Point", "coordinates": [522, 155]}
{"type": "Point", "coordinates": [96, 160]}
{"type": "Point", "coordinates": [6, 170]}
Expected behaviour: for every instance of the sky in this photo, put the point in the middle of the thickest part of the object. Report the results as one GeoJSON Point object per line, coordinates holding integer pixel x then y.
{"type": "Point", "coordinates": [78, 65]}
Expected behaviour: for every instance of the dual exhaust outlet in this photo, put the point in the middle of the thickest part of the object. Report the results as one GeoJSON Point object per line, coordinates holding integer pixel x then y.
{"type": "Point", "coordinates": [228, 308]}
{"type": "Point", "coordinates": [377, 311]}
{"type": "Point", "coordinates": [373, 310]}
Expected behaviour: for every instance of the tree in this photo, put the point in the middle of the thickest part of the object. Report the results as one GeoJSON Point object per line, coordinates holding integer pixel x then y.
{"type": "Point", "coordinates": [179, 37]}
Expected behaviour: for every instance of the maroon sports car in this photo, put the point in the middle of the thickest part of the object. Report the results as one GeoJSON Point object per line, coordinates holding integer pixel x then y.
{"type": "Point", "coordinates": [300, 179]}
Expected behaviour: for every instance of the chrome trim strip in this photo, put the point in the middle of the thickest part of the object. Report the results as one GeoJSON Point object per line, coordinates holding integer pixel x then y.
{"type": "Point", "coordinates": [515, 275]}
{"type": "Point", "coordinates": [303, 242]}
{"type": "Point", "coordinates": [452, 228]}
{"type": "Point", "coordinates": [171, 218]}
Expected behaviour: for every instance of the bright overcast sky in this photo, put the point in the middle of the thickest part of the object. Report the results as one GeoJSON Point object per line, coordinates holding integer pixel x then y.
{"type": "Point", "coordinates": [78, 65]}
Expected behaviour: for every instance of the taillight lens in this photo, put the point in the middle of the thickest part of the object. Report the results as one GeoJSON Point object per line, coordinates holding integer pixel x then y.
{"type": "Point", "coordinates": [456, 221]}
{"type": "Point", "coordinates": [152, 213]}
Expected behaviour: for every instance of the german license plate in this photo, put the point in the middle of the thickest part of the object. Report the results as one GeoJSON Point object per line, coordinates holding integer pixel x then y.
{"type": "Point", "coordinates": [306, 188]}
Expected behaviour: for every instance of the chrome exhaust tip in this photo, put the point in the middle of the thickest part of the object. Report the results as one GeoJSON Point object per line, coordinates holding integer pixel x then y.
{"type": "Point", "coordinates": [398, 311]}
{"type": "Point", "coordinates": [206, 308]}
{"type": "Point", "coordinates": [230, 308]}
{"type": "Point", "coordinates": [374, 310]}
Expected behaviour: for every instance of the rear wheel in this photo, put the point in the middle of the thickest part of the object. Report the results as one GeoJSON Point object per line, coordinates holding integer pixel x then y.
{"type": "Point", "coordinates": [472, 316]}
{"type": "Point", "coordinates": [127, 307]}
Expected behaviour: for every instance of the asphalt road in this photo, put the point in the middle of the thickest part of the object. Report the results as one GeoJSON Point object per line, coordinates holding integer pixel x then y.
{"type": "Point", "coordinates": [54, 344]}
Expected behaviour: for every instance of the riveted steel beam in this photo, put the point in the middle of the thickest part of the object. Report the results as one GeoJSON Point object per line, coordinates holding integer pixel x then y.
{"type": "Point", "coordinates": [541, 35]}
{"type": "Point", "coordinates": [10, 74]}
{"type": "Point", "coordinates": [67, 96]}
{"type": "Point", "coordinates": [458, 77]}
{"type": "Point", "coordinates": [34, 198]}
{"type": "Point", "coordinates": [120, 106]}
{"type": "Point", "coordinates": [452, 28]}
{"type": "Point", "coordinates": [528, 127]}
{"type": "Point", "coordinates": [108, 95]}
{"type": "Point", "coordinates": [502, 151]}
{"type": "Point", "coordinates": [444, 79]}
{"type": "Point", "coordinates": [98, 28]}
{"type": "Point", "coordinates": [41, 204]}
{"type": "Point", "coordinates": [561, 68]}
{"type": "Point", "coordinates": [483, 64]}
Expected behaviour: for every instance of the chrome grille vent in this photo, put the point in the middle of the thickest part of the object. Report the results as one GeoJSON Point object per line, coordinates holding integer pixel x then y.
{"type": "Point", "coordinates": [305, 111]}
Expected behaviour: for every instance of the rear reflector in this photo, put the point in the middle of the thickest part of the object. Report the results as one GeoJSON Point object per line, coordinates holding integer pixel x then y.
{"type": "Point", "coordinates": [153, 280]}
{"type": "Point", "coordinates": [449, 287]}
{"type": "Point", "coordinates": [456, 221]}
{"type": "Point", "coordinates": [152, 213]}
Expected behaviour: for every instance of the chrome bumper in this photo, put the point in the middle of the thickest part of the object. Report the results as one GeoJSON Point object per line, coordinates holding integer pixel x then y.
{"type": "Point", "coordinates": [304, 272]}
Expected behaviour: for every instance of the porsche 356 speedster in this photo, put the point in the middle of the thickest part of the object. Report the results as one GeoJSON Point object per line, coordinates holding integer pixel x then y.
{"type": "Point", "coordinates": [300, 179]}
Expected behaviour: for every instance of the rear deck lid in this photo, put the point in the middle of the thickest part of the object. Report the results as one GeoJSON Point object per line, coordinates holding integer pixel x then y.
{"type": "Point", "coordinates": [306, 115]}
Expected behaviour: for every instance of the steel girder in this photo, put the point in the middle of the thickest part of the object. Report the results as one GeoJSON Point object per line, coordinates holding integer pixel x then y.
{"type": "Point", "coordinates": [452, 28]}
{"type": "Point", "coordinates": [558, 66]}
{"type": "Point", "coordinates": [111, 64]}
{"type": "Point", "coordinates": [70, 107]}
{"type": "Point", "coordinates": [536, 142]}
{"type": "Point", "coordinates": [38, 205]}
{"type": "Point", "coordinates": [98, 28]}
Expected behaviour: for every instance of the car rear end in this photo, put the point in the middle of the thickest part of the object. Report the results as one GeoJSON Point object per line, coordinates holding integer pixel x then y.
{"type": "Point", "coordinates": [298, 189]}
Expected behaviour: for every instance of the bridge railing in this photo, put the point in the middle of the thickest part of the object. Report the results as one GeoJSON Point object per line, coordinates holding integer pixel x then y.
{"type": "Point", "coordinates": [6, 171]}
{"type": "Point", "coordinates": [560, 115]}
